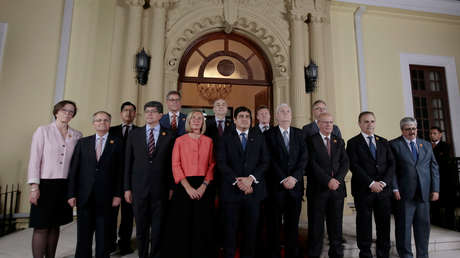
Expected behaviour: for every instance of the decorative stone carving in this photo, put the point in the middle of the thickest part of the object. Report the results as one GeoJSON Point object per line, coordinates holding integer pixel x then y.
{"type": "Point", "coordinates": [137, 3]}
{"type": "Point", "coordinates": [162, 3]}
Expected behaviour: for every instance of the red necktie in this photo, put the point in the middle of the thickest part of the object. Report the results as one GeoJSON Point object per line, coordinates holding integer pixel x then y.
{"type": "Point", "coordinates": [174, 122]}
{"type": "Point", "coordinates": [151, 142]}
{"type": "Point", "coordinates": [220, 128]}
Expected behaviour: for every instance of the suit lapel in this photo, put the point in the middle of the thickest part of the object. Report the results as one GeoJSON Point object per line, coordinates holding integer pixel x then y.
{"type": "Point", "coordinates": [363, 145]}
{"type": "Point", "coordinates": [160, 141]}
{"type": "Point", "coordinates": [421, 150]}
{"type": "Point", "coordinates": [237, 142]}
{"type": "Point", "coordinates": [319, 141]}
{"type": "Point", "coordinates": [333, 145]}
{"type": "Point", "coordinates": [380, 147]}
{"type": "Point", "coordinates": [92, 149]}
{"type": "Point", "coordinates": [406, 149]}
{"type": "Point", "coordinates": [143, 138]}
{"type": "Point", "coordinates": [107, 147]}
{"type": "Point", "coordinates": [280, 139]}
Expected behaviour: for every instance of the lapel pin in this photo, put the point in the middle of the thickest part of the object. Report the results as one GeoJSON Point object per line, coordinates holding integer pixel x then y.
{"type": "Point", "coordinates": [376, 138]}
{"type": "Point", "coordinates": [183, 119]}
{"type": "Point", "coordinates": [335, 141]}
{"type": "Point", "coordinates": [421, 145]}
{"type": "Point", "coordinates": [163, 133]}
{"type": "Point", "coordinates": [111, 141]}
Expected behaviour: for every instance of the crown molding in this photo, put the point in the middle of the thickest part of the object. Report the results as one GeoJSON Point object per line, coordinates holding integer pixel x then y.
{"type": "Point", "coordinates": [449, 7]}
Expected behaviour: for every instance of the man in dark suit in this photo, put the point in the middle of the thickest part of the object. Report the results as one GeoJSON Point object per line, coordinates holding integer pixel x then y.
{"type": "Point", "coordinates": [242, 159]}
{"type": "Point", "coordinates": [174, 119]}
{"type": "Point", "coordinates": [372, 165]}
{"type": "Point", "coordinates": [148, 177]}
{"type": "Point", "coordinates": [285, 184]}
{"type": "Point", "coordinates": [217, 127]}
{"type": "Point", "coordinates": [415, 183]}
{"type": "Point", "coordinates": [326, 189]}
{"type": "Point", "coordinates": [262, 125]}
{"type": "Point", "coordinates": [263, 118]}
{"type": "Point", "coordinates": [448, 182]}
{"type": "Point", "coordinates": [127, 115]}
{"type": "Point", "coordinates": [95, 186]}
{"type": "Point", "coordinates": [312, 128]}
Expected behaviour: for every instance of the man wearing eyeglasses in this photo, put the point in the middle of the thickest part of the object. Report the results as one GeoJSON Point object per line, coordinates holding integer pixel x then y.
{"type": "Point", "coordinates": [95, 186]}
{"type": "Point", "coordinates": [415, 184]}
{"type": "Point", "coordinates": [174, 119]}
{"type": "Point", "coordinates": [148, 178]}
{"type": "Point", "coordinates": [312, 128]}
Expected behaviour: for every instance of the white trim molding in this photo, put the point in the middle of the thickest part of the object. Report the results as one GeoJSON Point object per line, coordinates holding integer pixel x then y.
{"type": "Point", "coordinates": [360, 55]}
{"type": "Point", "coordinates": [448, 62]}
{"type": "Point", "coordinates": [63, 50]}
{"type": "Point", "coordinates": [450, 7]}
{"type": "Point", "coordinates": [3, 30]}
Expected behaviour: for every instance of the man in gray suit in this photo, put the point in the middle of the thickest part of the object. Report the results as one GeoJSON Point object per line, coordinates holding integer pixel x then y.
{"type": "Point", "coordinates": [415, 183]}
{"type": "Point", "coordinates": [312, 128]}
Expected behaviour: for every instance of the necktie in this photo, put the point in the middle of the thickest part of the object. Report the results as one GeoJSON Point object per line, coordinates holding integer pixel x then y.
{"type": "Point", "coordinates": [220, 128]}
{"type": "Point", "coordinates": [414, 151]}
{"type": "Point", "coordinates": [286, 140]}
{"type": "Point", "coordinates": [99, 148]}
{"type": "Point", "coordinates": [243, 140]}
{"type": "Point", "coordinates": [328, 145]}
{"type": "Point", "coordinates": [433, 145]}
{"type": "Point", "coordinates": [151, 142]}
{"type": "Point", "coordinates": [372, 147]}
{"type": "Point", "coordinates": [174, 122]}
{"type": "Point", "coordinates": [125, 135]}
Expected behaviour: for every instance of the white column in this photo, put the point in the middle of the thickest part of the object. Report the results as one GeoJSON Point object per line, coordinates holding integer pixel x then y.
{"type": "Point", "coordinates": [360, 53]}
{"type": "Point", "coordinates": [155, 85]}
{"type": "Point", "coordinates": [133, 41]}
{"type": "Point", "coordinates": [317, 55]}
{"type": "Point", "coordinates": [297, 96]}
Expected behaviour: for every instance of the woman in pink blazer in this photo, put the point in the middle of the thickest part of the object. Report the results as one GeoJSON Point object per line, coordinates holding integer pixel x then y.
{"type": "Point", "coordinates": [50, 153]}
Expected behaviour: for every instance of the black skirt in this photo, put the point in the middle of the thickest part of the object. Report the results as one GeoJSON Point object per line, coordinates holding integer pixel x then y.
{"type": "Point", "coordinates": [189, 224]}
{"type": "Point", "coordinates": [52, 209]}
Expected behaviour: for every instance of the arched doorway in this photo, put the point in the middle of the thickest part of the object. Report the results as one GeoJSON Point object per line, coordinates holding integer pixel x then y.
{"type": "Point", "coordinates": [228, 66]}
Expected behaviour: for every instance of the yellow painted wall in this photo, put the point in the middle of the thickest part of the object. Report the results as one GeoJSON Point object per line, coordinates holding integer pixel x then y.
{"type": "Point", "coordinates": [27, 81]}
{"type": "Point", "coordinates": [386, 33]}
{"type": "Point", "coordinates": [87, 81]}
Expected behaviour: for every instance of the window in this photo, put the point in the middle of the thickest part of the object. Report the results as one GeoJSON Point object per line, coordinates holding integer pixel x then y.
{"type": "Point", "coordinates": [431, 103]}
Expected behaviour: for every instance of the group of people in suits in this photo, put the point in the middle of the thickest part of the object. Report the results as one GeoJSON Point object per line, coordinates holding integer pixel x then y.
{"type": "Point", "coordinates": [187, 180]}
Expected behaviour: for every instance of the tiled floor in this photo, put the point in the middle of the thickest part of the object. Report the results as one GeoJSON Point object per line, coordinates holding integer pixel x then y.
{"type": "Point", "coordinates": [443, 243]}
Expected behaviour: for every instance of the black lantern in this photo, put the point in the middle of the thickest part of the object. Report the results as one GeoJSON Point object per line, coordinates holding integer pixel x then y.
{"type": "Point", "coordinates": [311, 75]}
{"type": "Point", "coordinates": [142, 67]}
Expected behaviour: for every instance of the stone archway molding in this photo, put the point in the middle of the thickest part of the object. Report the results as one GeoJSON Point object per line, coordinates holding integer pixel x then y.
{"type": "Point", "coordinates": [275, 48]}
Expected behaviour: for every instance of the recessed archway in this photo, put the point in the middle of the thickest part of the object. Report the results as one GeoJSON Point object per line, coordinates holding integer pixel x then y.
{"type": "Point", "coordinates": [228, 66]}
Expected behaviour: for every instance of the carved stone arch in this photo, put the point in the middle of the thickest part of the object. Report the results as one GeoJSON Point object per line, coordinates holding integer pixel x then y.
{"type": "Point", "coordinates": [275, 48]}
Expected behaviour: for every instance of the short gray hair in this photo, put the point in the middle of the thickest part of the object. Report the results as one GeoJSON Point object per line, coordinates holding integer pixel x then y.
{"type": "Point", "coordinates": [407, 120]}
{"type": "Point", "coordinates": [280, 106]}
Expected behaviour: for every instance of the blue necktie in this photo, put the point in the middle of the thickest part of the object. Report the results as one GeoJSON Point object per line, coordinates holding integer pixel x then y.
{"type": "Point", "coordinates": [414, 151]}
{"type": "Point", "coordinates": [243, 141]}
{"type": "Point", "coordinates": [372, 147]}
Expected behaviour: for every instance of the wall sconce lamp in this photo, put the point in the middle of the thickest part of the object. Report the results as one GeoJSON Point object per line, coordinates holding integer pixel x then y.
{"type": "Point", "coordinates": [311, 75]}
{"type": "Point", "coordinates": [142, 67]}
